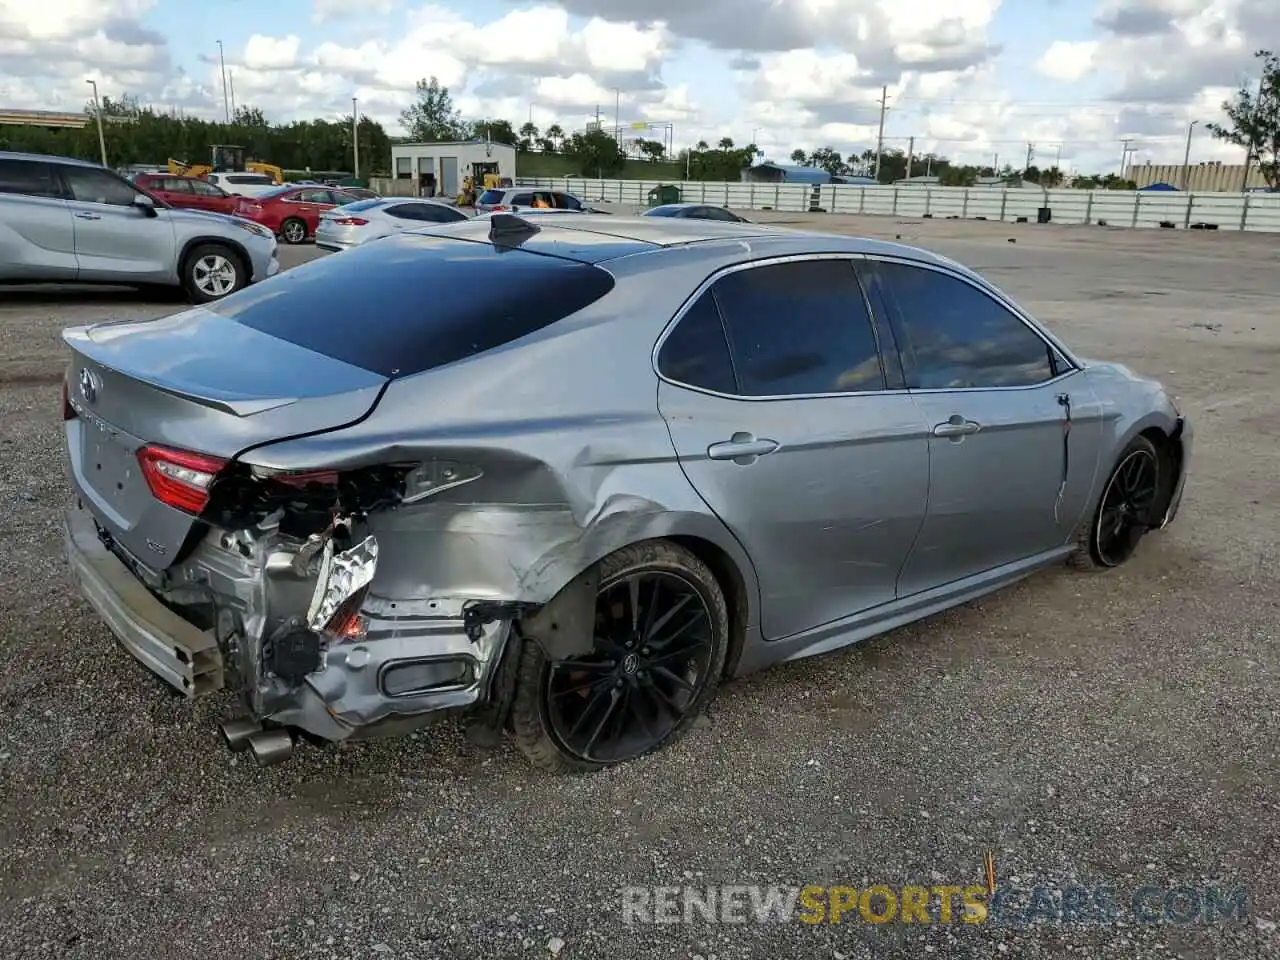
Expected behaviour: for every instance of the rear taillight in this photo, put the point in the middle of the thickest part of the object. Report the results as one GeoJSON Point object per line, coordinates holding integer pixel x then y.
{"type": "Point", "coordinates": [68, 411]}
{"type": "Point", "coordinates": [497, 208]}
{"type": "Point", "coordinates": [179, 478]}
{"type": "Point", "coordinates": [349, 221]}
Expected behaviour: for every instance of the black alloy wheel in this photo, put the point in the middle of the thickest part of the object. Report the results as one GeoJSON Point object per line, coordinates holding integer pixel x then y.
{"type": "Point", "coordinates": [1128, 506]}
{"type": "Point", "coordinates": [652, 652]}
{"type": "Point", "coordinates": [660, 638]}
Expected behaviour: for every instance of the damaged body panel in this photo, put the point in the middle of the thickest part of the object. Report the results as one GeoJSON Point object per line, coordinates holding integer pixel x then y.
{"type": "Point", "coordinates": [383, 517]}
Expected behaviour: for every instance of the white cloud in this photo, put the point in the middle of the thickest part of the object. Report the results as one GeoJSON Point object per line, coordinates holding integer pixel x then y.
{"type": "Point", "coordinates": [808, 72]}
{"type": "Point", "coordinates": [1068, 61]}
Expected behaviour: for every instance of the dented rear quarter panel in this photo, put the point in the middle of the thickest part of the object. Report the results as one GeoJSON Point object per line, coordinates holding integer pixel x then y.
{"type": "Point", "coordinates": [577, 460]}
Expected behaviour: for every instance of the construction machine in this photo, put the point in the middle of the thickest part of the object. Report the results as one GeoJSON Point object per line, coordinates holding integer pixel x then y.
{"type": "Point", "coordinates": [483, 176]}
{"type": "Point", "coordinates": [225, 158]}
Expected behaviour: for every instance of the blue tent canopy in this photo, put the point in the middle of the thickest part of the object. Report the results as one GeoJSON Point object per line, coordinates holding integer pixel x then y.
{"type": "Point", "coordinates": [1158, 186]}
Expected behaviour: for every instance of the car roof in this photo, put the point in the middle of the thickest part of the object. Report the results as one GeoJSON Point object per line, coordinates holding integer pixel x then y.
{"type": "Point", "coordinates": [46, 158]}
{"type": "Point", "coordinates": [600, 239]}
{"type": "Point", "coordinates": [683, 206]}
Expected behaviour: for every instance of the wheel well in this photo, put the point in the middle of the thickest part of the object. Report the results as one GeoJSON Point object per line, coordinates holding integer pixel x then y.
{"type": "Point", "coordinates": [1169, 449]}
{"type": "Point", "coordinates": [240, 253]}
{"type": "Point", "coordinates": [734, 586]}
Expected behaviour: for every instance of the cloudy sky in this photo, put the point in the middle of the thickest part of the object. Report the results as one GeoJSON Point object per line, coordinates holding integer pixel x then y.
{"type": "Point", "coordinates": [970, 79]}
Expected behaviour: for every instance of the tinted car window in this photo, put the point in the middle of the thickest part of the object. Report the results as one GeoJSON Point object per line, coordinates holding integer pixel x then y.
{"type": "Point", "coordinates": [799, 328]}
{"type": "Point", "coordinates": [715, 213]}
{"type": "Point", "coordinates": [362, 205]}
{"type": "Point", "coordinates": [492, 196]}
{"type": "Point", "coordinates": [27, 177]}
{"type": "Point", "coordinates": [200, 188]}
{"type": "Point", "coordinates": [426, 213]}
{"type": "Point", "coordinates": [176, 185]}
{"type": "Point", "coordinates": [523, 198]}
{"type": "Point", "coordinates": [260, 179]}
{"type": "Point", "coordinates": [664, 211]}
{"type": "Point", "coordinates": [570, 202]}
{"type": "Point", "coordinates": [696, 352]}
{"type": "Point", "coordinates": [482, 297]}
{"type": "Point", "coordinates": [953, 335]}
{"type": "Point", "coordinates": [98, 186]}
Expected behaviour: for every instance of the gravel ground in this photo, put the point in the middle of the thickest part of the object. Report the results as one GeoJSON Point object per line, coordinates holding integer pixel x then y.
{"type": "Point", "coordinates": [1117, 729]}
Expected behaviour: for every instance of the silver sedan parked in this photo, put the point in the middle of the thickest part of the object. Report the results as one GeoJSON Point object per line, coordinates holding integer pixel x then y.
{"type": "Point", "coordinates": [571, 474]}
{"type": "Point", "coordinates": [355, 223]}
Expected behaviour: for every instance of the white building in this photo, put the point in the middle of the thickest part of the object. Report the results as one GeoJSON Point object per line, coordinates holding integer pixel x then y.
{"type": "Point", "coordinates": [438, 169]}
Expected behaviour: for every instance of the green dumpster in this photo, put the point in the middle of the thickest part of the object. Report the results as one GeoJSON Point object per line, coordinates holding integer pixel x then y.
{"type": "Point", "coordinates": [667, 193]}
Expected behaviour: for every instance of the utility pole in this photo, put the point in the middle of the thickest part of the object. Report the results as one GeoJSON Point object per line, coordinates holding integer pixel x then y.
{"type": "Point", "coordinates": [355, 139]}
{"type": "Point", "coordinates": [884, 100]}
{"type": "Point", "coordinates": [1124, 156]}
{"type": "Point", "coordinates": [226, 102]}
{"type": "Point", "coordinates": [911, 152]}
{"type": "Point", "coordinates": [1186, 156]}
{"type": "Point", "coordinates": [995, 164]}
{"type": "Point", "coordinates": [1057, 162]}
{"type": "Point", "coordinates": [97, 112]}
{"type": "Point", "coordinates": [1248, 155]}
{"type": "Point", "coordinates": [231, 82]}
{"type": "Point", "coordinates": [1031, 152]}
{"type": "Point", "coordinates": [617, 111]}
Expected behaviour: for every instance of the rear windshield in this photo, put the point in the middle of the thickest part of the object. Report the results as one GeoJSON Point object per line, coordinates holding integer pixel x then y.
{"type": "Point", "coordinates": [438, 300]}
{"type": "Point", "coordinates": [361, 204]}
{"type": "Point", "coordinates": [248, 178]}
{"type": "Point", "coordinates": [491, 196]}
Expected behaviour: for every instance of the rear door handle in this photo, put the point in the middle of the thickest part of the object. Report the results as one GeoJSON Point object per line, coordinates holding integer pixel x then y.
{"type": "Point", "coordinates": [742, 448]}
{"type": "Point", "coordinates": [89, 216]}
{"type": "Point", "coordinates": [956, 427]}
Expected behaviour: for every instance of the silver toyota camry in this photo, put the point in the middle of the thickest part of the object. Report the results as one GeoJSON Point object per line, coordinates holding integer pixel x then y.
{"type": "Point", "coordinates": [605, 466]}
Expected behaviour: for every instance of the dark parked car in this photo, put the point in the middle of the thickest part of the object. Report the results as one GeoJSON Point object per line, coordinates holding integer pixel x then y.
{"type": "Point", "coordinates": [568, 475]}
{"type": "Point", "coordinates": [695, 211]}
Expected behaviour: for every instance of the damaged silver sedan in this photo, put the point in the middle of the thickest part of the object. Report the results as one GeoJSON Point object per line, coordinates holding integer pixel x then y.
{"type": "Point", "coordinates": [565, 477]}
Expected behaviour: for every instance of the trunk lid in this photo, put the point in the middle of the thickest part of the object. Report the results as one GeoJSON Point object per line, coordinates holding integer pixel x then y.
{"type": "Point", "coordinates": [198, 382]}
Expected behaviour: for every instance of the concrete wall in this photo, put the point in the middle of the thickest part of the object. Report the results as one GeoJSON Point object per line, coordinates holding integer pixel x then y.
{"type": "Point", "coordinates": [1201, 178]}
{"type": "Point", "coordinates": [1117, 208]}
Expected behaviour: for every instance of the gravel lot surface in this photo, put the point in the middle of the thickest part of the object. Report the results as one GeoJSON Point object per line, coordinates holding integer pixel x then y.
{"type": "Point", "coordinates": [1118, 729]}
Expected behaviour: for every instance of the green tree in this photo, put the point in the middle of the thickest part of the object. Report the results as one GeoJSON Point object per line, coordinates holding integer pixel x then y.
{"type": "Point", "coordinates": [653, 150]}
{"type": "Point", "coordinates": [497, 131]}
{"type": "Point", "coordinates": [528, 135]}
{"type": "Point", "coordinates": [596, 153]}
{"type": "Point", "coordinates": [726, 143]}
{"type": "Point", "coordinates": [799, 157]}
{"type": "Point", "coordinates": [432, 117]}
{"type": "Point", "coordinates": [1253, 121]}
{"type": "Point", "coordinates": [555, 133]}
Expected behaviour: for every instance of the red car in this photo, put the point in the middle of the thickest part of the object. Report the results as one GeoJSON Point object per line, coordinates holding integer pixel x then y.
{"type": "Point", "coordinates": [292, 213]}
{"type": "Point", "coordinates": [188, 193]}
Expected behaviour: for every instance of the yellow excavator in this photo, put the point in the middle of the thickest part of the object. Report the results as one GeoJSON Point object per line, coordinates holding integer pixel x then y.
{"type": "Point", "coordinates": [487, 174]}
{"type": "Point", "coordinates": [225, 159]}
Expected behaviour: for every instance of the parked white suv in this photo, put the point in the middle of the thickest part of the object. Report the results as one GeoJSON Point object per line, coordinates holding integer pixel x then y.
{"type": "Point", "coordinates": [243, 184]}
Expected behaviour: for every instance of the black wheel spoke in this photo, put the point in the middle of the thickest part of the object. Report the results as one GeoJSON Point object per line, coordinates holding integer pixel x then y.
{"type": "Point", "coordinates": [650, 657]}
{"type": "Point", "coordinates": [674, 677]}
{"type": "Point", "coordinates": [1127, 504]}
{"type": "Point", "coordinates": [663, 620]}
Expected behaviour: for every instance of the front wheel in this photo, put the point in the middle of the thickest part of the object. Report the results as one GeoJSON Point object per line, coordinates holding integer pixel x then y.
{"type": "Point", "coordinates": [211, 272]}
{"type": "Point", "coordinates": [661, 635]}
{"type": "Point", "coordinates": [293, 230]}
{"type": "Point", "coordinates": [1129, 507]}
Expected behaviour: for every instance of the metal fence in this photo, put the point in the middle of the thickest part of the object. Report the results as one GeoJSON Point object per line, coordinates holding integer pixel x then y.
{"type": "Point", "coordinates": [1116, 208]}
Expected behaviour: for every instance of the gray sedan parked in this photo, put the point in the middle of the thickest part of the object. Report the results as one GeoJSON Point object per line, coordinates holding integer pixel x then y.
{"type": "Point", "coordinates": [355, 223]}
{"type": "Point", "coordinates": [569, 475]}
{"type": "Point", "coordinates": [67, 221]}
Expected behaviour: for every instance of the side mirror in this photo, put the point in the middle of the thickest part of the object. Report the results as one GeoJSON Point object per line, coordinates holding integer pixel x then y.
{"type": "Point", "coordinates": [145, 204]}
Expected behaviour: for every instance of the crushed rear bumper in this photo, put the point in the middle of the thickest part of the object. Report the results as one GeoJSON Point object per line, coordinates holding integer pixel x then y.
{"type": "Point", "coordinates": [177, 651]}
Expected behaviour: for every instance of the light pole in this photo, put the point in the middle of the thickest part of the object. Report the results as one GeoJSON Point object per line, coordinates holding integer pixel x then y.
{"type": "Point", "coordinates": [97, 112]}
{"type": "Point", "coordinates": [355, 139]}
{"type": "Point", "coordinates": [1186, 155]}
{"type": "Point", "coordinates": [226, 103]}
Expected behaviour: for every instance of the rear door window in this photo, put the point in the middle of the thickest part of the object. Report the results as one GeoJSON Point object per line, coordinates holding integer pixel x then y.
{"type": "Point", "coordinates": [176, 185]}
{"type": "Point", "coordinates": [481, 297]}
{"type": "Point", "coordinates": [28, 178]}
{"type": "Point", "coordinates": [799, 328]}
{"type": "Point", "coordinates": [696, 352]}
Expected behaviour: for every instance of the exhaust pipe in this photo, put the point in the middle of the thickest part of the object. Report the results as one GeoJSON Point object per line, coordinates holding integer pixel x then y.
{"type": "Point", "coordinates": [270, 747]}
{"type": "Point", "coordinates": [236, 733]}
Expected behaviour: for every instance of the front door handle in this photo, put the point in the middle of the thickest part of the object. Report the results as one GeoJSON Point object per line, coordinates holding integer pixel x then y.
{"type": "Point", "coordinates": [742, 448]}
{"type": "Point", "coordinates": [89, 216]}
{"type": "Point", "coordinates": [956, 427]}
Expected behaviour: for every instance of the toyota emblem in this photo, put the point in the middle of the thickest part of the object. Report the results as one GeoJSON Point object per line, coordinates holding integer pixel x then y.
{"type": "Point", "coordinates": [88, 385]}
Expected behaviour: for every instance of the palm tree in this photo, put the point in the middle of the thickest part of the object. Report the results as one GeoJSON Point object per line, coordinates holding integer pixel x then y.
{"type": "Point", "coordinates": [555, 133]}
{"type": "Point", "coordinates": [726, 143]}
{"type": "Point", "coordinates": [702, 145]}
